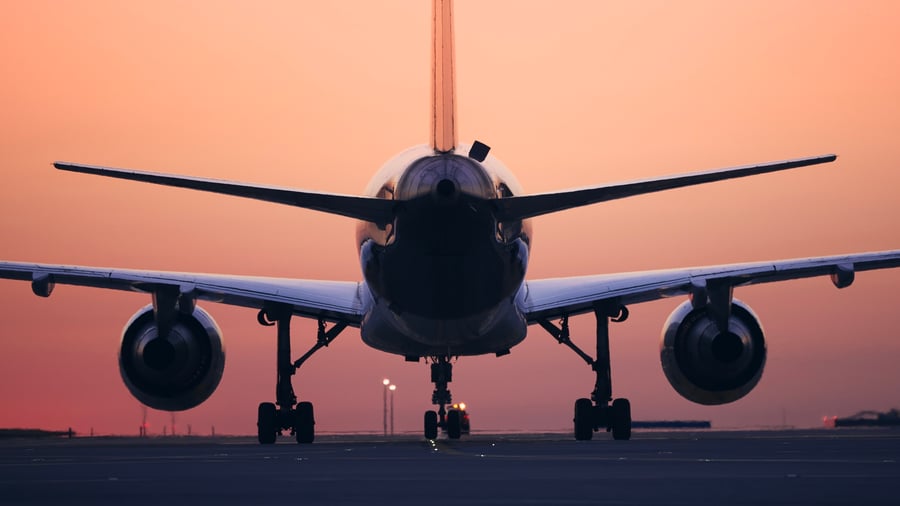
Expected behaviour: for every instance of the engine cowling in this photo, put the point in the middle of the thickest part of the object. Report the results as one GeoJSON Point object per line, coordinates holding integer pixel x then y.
{"type": "Point", "coordinates": [707, 366]}
{"type": "Point", "coordinates": [177, 372]}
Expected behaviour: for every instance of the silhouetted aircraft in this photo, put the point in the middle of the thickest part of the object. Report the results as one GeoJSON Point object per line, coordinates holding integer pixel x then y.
{"type": "Point", "coordinates": [444, 239]}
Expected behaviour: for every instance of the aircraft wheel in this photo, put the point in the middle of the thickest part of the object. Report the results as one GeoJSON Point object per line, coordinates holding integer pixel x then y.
{"type": "Point", "coordinates": [431, 425]}
{"type": "Point", "coordinates": [584, 420]}
{"type": "Point", "coordinates": [454, 424]}
{"type": "Point", "coordinates": [621, 419]}
{"type": "Point", "coordinates": [266, 422]}
{"type": "Point", "coordinates": [304, 423]}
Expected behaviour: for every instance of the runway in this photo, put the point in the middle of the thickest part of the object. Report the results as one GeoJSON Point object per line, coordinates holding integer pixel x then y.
{"type": "Point", "coordinates": [843, 466]}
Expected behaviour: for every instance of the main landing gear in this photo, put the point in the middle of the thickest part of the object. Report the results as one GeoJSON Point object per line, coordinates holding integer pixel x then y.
{"type": "Point", "coordinates": [451, 421]}
{"type": "Point", "coordinates": [603, 412]}
{"type": "Point", "coordinates": [286, 413]}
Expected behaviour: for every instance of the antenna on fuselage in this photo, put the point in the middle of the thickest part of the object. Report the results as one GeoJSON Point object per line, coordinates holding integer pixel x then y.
{"type": "Point", "coordinates": [443, 82]}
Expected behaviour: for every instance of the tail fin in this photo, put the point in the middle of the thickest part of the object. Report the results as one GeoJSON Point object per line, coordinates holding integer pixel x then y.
{"type": "Point", "coordinates": [443, 85]}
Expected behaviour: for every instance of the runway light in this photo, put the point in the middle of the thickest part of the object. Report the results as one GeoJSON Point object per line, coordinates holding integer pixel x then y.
{"type": "Point", "coordinates": [384, 394]}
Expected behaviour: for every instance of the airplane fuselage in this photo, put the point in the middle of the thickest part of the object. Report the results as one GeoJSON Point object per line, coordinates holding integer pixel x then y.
{"type": "Point", "coordinates": [445, 275]}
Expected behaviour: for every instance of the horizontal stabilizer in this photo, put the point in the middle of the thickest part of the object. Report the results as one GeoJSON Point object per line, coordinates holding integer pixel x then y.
{"type": "Point", "coordinates": [527, 206]}
{"type": "Point", "coordinates": [370, 209]}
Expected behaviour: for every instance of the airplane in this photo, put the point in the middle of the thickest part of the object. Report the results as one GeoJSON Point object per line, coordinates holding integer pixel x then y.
{"type": "Point", "coordinates": [444, 240]}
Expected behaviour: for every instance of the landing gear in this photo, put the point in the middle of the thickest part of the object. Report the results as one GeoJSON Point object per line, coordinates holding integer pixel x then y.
{"type": "Point", "coordinates": [441, 375]}
{"type": "Point", "coordinates": [286, 413]}
{"type": "Point", "coordinates": [600, 411]}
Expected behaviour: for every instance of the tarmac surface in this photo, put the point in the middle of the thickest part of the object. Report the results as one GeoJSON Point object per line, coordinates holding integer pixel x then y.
{"type": "Point", "coordinates": [837, 466]}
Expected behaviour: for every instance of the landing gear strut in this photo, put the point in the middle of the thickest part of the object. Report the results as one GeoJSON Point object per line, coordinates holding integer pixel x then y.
{"type": "Point", "coordinates": [600, 411]}
{"type": "Point", "coordinates": [286, 413]}
{"type": "Point", "coordinates": [451, 422]}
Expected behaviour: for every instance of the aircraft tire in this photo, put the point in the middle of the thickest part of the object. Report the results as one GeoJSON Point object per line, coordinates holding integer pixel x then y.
{"type": "Point", "coordinates": [304, 423]}
{"type": "Point", "coordinates": [454, 424]}
{"type": "Point", "coordinates": [431, 425]}
{"type": "Point", "coordinates": [265, 423]}
{"type": "Point", "coordinates": [621, 419]}
{"type": "Point", "coordinates": [584, 420]}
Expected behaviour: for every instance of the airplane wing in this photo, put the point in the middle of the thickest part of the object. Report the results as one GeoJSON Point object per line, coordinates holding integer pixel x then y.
{"type": "Point", "coordinates": [330, 300]}
{"type": "Point", "coordinates": [551, 298]}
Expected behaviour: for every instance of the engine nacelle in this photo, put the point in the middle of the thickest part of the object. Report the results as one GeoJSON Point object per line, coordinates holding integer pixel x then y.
{"type": "Point", "coordinates": [707, 366]}
{"type": "Point", "coordinates": [177, 372]}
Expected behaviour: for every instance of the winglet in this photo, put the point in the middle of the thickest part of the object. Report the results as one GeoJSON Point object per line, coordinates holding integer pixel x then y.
{"type": "Point", "coordinates": [443, 84]}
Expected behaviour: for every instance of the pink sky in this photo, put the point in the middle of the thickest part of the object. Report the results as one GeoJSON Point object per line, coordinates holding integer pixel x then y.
{"type": "Point", "coordinates": [317, 95]}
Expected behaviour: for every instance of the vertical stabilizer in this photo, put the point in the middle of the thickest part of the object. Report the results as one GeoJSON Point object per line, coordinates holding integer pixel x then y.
{"type": "Point", "coordinates": [443, 85]}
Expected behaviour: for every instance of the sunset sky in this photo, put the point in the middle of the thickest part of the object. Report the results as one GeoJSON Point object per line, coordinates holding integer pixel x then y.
{"type": "Point", "coordinates": [317, 95]}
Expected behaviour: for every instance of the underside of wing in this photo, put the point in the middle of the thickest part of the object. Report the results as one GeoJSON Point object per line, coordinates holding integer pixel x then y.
{"type": "Point", "coordinates": [551, 298]}
{"type": "Point", "coordinates": [339, 301]}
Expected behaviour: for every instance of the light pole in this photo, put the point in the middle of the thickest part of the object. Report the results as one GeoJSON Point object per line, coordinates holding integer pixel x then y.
{"type": "Point", "coordinates": [392, 388]}
{"type": "Point", "coordinates": [385, 382]}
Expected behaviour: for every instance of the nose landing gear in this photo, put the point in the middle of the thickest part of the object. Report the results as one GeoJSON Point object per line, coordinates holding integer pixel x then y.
{"type": "Point", "coordinates": [450, 422]}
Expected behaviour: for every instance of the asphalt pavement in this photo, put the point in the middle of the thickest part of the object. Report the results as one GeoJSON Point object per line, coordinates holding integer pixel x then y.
{"type": "Point", "coordinates": [838, 466]}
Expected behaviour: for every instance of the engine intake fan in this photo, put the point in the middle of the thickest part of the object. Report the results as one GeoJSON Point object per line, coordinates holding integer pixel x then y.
{"type": "Point", "coordinates": [709, 366]}
{"type": "Point", "coordinates": [174, 372]}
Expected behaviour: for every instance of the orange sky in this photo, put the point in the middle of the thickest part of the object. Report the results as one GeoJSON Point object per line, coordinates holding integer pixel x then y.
{"type": "Point", "coordinates": [317, 95]}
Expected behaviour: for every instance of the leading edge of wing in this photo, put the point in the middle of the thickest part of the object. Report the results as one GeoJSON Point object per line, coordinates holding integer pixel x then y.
{"type": "Point", "coordinates": [528, 206]}
{"type": "Point", "coordinates": [549, 298]}
{"type": "Point", "coordinates": [330, 300]}
{"type": "Point", "coordinates": [375, 210]}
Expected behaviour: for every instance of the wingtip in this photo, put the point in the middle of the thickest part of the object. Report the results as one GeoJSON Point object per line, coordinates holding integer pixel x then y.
{"type": "Point", "coordinates": [77, 167]}
{"type": "Point", "coordinates": [815, 160]}
{"type": "Point", "coordinates": [65, 166]}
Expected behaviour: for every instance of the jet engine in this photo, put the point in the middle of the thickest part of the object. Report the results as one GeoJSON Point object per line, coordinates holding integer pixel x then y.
{"type": "Point", "coordinates": [173, 372]}
{"type": "Point", "coordinates": [709, 366]}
